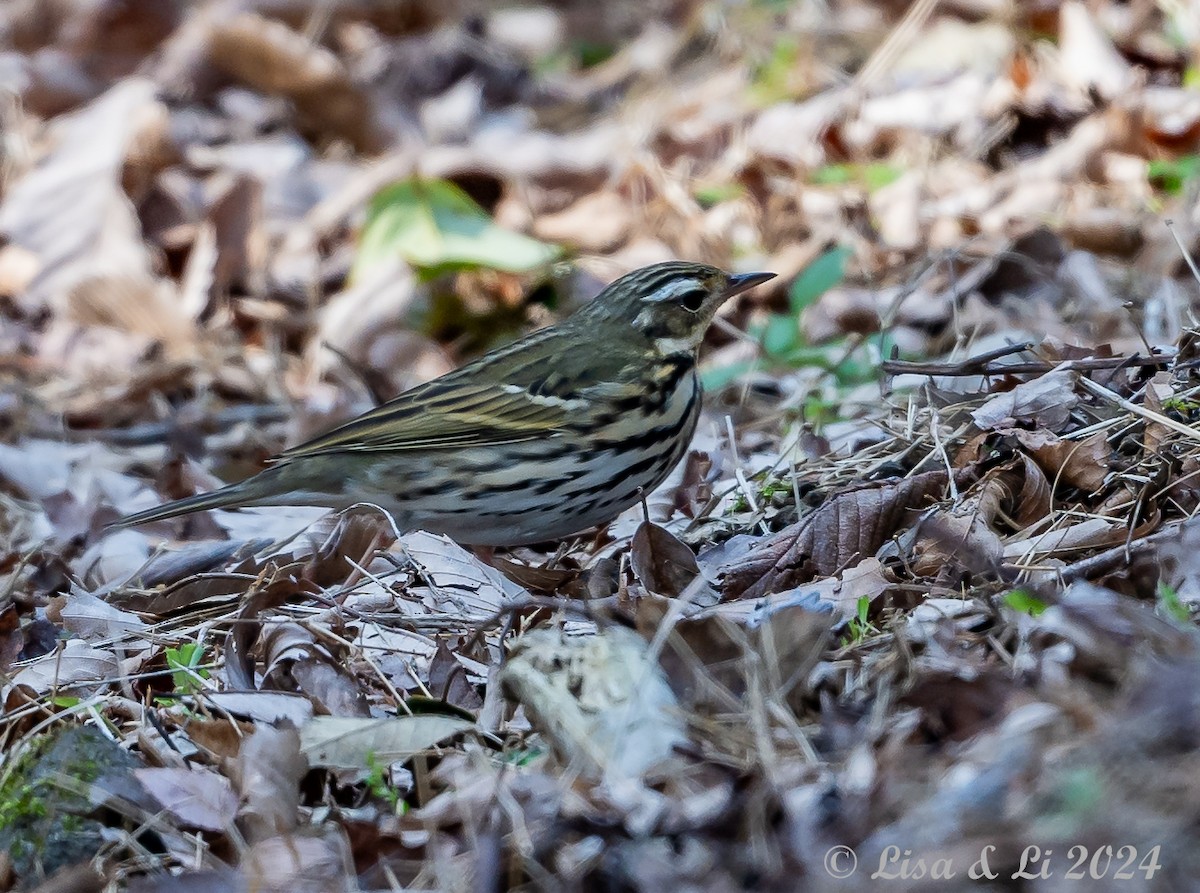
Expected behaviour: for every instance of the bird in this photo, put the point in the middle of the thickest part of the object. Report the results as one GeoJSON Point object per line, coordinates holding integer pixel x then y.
{"type": "Point", "coordinates": [545, 437]}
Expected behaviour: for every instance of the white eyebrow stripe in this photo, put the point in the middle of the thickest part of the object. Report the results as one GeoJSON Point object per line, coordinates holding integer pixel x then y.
{"type": "Point", "coordinates": [673, 289]}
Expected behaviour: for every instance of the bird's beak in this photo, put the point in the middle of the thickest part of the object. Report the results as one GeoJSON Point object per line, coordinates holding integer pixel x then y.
{"type": "Point", "coordinates": [740, 282]}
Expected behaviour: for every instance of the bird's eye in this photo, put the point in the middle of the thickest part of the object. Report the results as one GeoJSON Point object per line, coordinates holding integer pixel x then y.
{"type": "Point", "coordinates": [693, 300]}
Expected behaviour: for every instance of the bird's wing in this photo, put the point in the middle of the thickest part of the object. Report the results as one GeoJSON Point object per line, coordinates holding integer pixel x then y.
{"type": "Point", "coordinates": [515, 394]}
{"type": "Point", "coordinates": [467, 415]}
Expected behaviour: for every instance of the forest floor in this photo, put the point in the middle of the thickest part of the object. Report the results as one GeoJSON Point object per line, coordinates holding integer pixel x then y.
{"type": "Point", "coordinates": [917, 610]}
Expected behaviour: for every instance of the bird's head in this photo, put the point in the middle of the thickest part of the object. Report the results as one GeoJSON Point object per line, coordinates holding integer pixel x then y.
{"type": "Point", "coordinates": [670, 304]}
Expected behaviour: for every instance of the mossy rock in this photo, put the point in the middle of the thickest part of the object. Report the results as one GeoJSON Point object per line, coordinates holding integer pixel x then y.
{"type": "Point", "coordinates": [49, 799]}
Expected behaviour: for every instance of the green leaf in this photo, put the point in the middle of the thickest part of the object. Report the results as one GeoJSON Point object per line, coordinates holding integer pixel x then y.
{"type": "Point", "coordinates": [714, 194]}
{"type": "Point", "coordinates": [1171, 176]}
{"type": "Point", "coordinates": [873, 176]}
{"type": "Point", "coordinates": [1171, 606]}
{"type": "Point", "coordinates": [777, 78]}
{"type": "Point", "coordinates": [818, 277]}
{"type": "Point", "coordinates": [821, 356]}
{"type": "Point", "coordinates": [185, 665]}
{"type": "Point", "coordinates": [719, 377]}
{"type": "Point", "coordinates": [1020, 600]}
{"type": "Point", "coordinates": [861, 608]}
{"type": "Point", "coordinates": [862, 364]}
{"type": "Point", "coordinates": [876, 176]}
{"type": "Point", "coordinates": [593, 52]}
{"type": "Point", "coordinates": [832, 175]}
{"type": "Point", "coordinates": [781, 335]}
{"type": "Point", "coordinates": [433, 224]}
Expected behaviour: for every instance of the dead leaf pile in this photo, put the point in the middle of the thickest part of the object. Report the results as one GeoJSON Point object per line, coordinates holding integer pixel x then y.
{"type": "Point", "coordinates": [926, 582]}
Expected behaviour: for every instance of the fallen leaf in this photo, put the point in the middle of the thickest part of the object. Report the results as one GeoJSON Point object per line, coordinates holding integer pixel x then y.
{"type": "Point", "coordinates": [845, 529]}
{"type": "Point", "coordinates": [263, 706]}
{"type": "Point", "coordinates": [663, 564]}
{"type": "Point", "coordinates": [353, 742]}
{"type": "Point", "coordinates": [93, 619]}
{"type": "Point", "coordinates": [269, 56]}
{"type": "Point", "coordinates": [1045, 402]}
{"type": "Point", "coordinates": [197, 798]}
{"type": "Point", "coordinates": [71, 212]}
{"type": "Point", "coordinates": [70, 669]}
{"type": "Point", "coordinates": [270, 768]}
{"type": "Point", "coordinates": [295, 661]}
{"type": "Point", "coordinates": [1077, 463]}
{"type": "Point", "coordinates": [1090, 62]}
{"type": "Point", "coordinates": [433, 224]}
{"type": "Point", "coordinates": [601, 701]}
{"type": "Point", "coordinates": [598, 223]}
{"type": "Point", "coordinates": [458, 582]}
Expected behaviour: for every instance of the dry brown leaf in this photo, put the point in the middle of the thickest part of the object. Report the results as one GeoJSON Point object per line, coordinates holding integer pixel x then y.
{"type": "Point", "coordinates": [1046, 402]}
{"type": "Point", "coordinates": [95, 620]}
{"type": "Point", "coordinates": [269, 56]}
{"type": "Point", "coordinates": [345, 541]}
{"type": "Point", "coordinates": [961, 538]}
{"type": "Point", "coordinates": [312, 860]}
{"type": "Point", "coordinates": [356, 742]}
{"type": "Point", "coordinates": [134, 304]}
{"type": "Point", "coordinates": [197, 798]}
{"type": "Point", "coordinates": [1036, 497]}
{"type": "Point", "coordinates": [1090, 62]}
{"type": "Point", "coordinates": [1101, 626]}
{"type": "Point", "coordinates": [294, 661]}
{"type": "Point", "coordinates": [270, 767]}
{"type": "Point", "coordinates": [601, 701]}
{"type": "Point", "coordinates": [449, 682]}
{"type": "Point", "coordinates": [455, 581]}
{"type": "Point", "coordinates": [710, 658]}
{"type": "Point", "coordinates": [399, 654]}
{"type": "Point", "coordinates": [663, 564]}
{"type": "Point", "coordinates": [1077, 463]}
{"type": "Point", "coordinates": [538, 579]}
{"type": "Point", "coordinates": [72, 213]}
{"type": "Point", "coordinates": [1090, 534]}
{"type": "Point", "coordinates": [598, 223]}
{"type": "Point", "coordinates": [847, 528]}
{"type": "Point", "coordinates": [842, 593]}
{"type": "Point", "coordinates": [240, 641]}
{"type": "Point", "coordinates": [11, 639]}
{"type": "Point", "coordinates": [76, 669]}
{"type": "Point", "coordinates": [263, 706]}
{"type": "Point", "coordinates": [18, 269]}
{"type": "Point", "coordinates": [358, 320]}
{"type": "Point", "coordinates": [1156, 434]}
{"type": "Point", "coordinates": [222, 880]}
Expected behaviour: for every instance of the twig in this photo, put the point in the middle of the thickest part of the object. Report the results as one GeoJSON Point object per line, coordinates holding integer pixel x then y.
{"type": "Point", "coordinates": [1187, 255]}
{"type": "Point", "coordinates": [982, 365]}
{"type": "Point", "coordinates": [1105, 394]}
{"type": "Point", "coordinates": [1119, 555]}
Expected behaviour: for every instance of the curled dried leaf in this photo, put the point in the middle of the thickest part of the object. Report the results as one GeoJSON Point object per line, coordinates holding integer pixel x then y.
{"type": "Point", "coordinates": [663, 564]}
{"type": "Point", "coordinates": [1045, 402]}
{"type": "Point", "coordinates": [1077, 463]}
{"type": "Point", "coordinates": [850, 526]}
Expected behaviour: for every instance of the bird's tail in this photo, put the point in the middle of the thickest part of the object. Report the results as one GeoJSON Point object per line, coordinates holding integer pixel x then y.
{"type": "Point", "coordinates": [226, 497]}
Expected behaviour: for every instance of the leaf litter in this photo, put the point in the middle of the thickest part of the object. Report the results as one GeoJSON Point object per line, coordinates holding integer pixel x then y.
{"type": "Point", "coordinates": [926, 582]}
